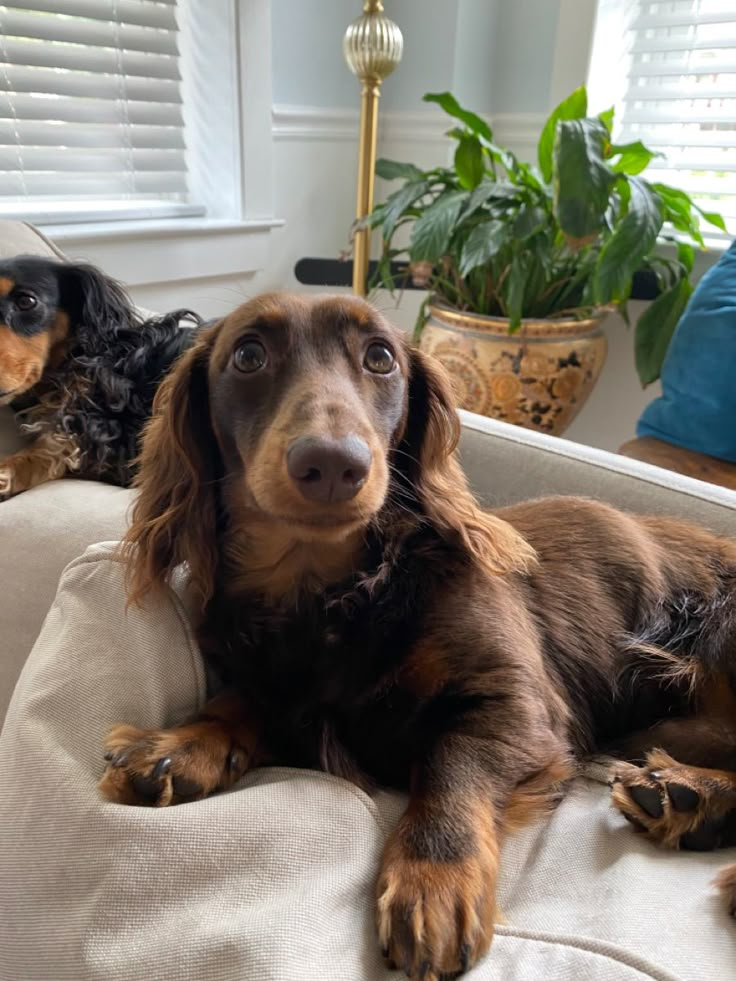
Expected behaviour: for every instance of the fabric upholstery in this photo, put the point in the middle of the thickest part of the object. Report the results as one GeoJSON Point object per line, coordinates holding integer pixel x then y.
{"type": "Point", "coordinates": [274, 880]}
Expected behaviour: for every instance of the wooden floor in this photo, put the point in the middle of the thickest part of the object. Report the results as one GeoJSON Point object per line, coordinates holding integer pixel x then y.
{"type": "Point", "coordinates": [687, 462]}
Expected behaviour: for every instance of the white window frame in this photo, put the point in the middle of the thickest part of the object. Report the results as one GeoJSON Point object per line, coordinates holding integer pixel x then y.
{"type": "Point", "coordinates": [231, 176]}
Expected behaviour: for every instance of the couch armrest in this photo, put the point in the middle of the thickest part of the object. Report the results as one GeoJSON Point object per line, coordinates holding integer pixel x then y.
{"type": "Point", "coordinates": [506, 463]}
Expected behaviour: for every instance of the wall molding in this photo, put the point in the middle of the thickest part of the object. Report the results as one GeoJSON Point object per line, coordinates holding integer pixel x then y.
{"type": "Point", "coordinates": [519, 131]}
{"type": "Point", "coordinates": [289, 122]}
{"type": "Point", "coordinates": [338, 125]}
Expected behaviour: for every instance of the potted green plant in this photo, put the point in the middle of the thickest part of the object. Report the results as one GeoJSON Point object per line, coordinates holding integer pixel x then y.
{"type": "Point", "coordinates": [522, 262]}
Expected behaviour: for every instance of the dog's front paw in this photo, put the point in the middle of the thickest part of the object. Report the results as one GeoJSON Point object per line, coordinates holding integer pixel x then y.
{"type": "Point", "coordinates": [435, 919]}
{"type": "Point", "coordinates": [160, 767]}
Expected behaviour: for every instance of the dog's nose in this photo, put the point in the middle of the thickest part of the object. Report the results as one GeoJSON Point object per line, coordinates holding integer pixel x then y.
{"type": "Point", "coordinates": [329, 470]}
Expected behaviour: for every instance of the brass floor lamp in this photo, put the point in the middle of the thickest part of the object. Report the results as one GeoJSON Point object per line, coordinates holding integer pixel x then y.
{"type": "Point", "coordinates": [372, 46]}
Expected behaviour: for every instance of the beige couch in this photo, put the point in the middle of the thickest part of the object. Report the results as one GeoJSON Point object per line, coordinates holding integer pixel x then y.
{"type": "Point", "coordinates": [273, 881]}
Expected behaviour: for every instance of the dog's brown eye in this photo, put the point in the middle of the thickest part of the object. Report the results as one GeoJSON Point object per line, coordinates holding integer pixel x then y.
{"type": "Point", "coordinates": [25, 301]}
{"type": "Point", "coordinates": [250, 356]}
{"type": "Point", "coordinates": [379, 359]}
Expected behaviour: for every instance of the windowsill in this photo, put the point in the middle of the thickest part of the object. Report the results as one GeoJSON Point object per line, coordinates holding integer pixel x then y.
{"type": "Point", "coordinates": [168, 249]}
{"type": "Point", "coordinates": [155, 228]}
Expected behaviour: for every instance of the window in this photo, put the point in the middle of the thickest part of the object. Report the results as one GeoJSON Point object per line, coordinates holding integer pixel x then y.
{"type": "Point", "coordinates": [672, 76]}
{"type": "Point", "coordinates": [91, 111]}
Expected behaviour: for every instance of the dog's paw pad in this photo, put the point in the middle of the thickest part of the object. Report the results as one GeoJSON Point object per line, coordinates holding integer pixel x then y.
{"type": "Point", "coordinates": [683, 798]}
{"type": "Point", "coordinates": [649, 799]}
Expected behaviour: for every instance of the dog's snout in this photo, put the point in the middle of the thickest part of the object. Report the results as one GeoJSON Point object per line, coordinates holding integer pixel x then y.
{"type": "Point", "coordinates": [329, 470]}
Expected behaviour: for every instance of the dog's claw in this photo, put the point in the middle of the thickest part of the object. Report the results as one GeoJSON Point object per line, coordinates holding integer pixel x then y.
{"type": "Point", "coordinates": [464, 958]}
{"type": "Point", "coordinates": [163, 766]}
{"type": "Point", "coordinates": [237, 761]}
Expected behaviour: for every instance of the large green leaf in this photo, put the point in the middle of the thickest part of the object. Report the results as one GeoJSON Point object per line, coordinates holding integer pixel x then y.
{"type": "Point", "coordinates": [431, 233]}
{"type": "Point", "coordinates": [632, 157]}
{"type": "Point", "coordinates": [682, 206]}
{"type": "Point", "coordinates": [633, 238]}
{"type": "Point", "coordinates": [528, 221]}
{"type": "Point", "coordinates": [582, 179]}
{"type": "Point", "coordinates": [713, 218]}
{"type": "Point", "coordinates": [483, 243]}
{"type": "Point", "coordinates": [606, 117]}
{"type": "Point", "coordinates": [655, 328]}
{"type": "Point", "coordinates": [390, 170]}
{"type": "Point", "coordinates": [452, 107]}
{"type": "Point", "coordinates": [469, 161]}
{"type": "Point", "coordinates": [489, 191]}
{"type": "Point", "coordinates": [574, 106]}
{"type": "Point", "coordinates": [678, 209]}
{"type": "Point", "coordinates": [399, 201]}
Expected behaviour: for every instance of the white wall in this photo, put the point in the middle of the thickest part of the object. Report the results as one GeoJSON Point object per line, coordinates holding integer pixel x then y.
{"type": "Point", "coordinates": [506, 57]}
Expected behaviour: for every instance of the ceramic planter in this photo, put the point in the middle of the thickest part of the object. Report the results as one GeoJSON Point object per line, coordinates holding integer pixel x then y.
{"type": "Point", "coordinates": [539, 377]}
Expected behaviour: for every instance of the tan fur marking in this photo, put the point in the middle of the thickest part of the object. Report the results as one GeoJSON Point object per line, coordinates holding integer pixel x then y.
{"type": "Point", "coordinates": [60, 327]}
{"type": "Point", "coordinates": [22, 361]}
{"type": "Point", "coordinates": [59, 334]}
{"type": "Point", "coordinates": [266, 557]}
{"type": "Point", "coordinates": [267, 476]}
{"type": "Point", "coordinates": [7, 285]}
{"type": "Point", "coordinates": [538, 795]}
{"type": "Point", "coordinates": [50, 457]}
{"type": "Point", "coordinates": [425, 671]}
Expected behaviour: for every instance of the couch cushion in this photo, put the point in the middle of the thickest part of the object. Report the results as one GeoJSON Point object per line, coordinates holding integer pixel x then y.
{"type": "Point", "coordinates": [273, 881]}
{"type": "Point", "coordinates": [20, 238]}
{"type": "Point", "coordinates": [41, 531]}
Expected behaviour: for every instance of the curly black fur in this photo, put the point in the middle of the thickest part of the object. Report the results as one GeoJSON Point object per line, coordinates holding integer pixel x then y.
{"type": "Point", "coordinates": [101, 392]}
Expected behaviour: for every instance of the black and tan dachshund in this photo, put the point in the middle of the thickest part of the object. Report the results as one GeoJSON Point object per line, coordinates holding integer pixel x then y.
{"type": "Point", "coordinates": [368, 618]}
{"type": "Point", "coordinates": [80, 367]}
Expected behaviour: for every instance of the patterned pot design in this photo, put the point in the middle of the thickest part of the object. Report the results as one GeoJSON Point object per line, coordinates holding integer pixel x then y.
{"type": "Point", "coordinates": [538, 378]}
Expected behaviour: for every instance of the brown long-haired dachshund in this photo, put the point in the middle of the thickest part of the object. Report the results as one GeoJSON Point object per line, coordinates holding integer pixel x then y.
{"type": "Point", "coordinates": [367, 618]}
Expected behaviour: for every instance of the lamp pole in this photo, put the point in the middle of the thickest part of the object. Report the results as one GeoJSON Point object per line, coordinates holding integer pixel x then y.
{"type": "Point", "coordinates": [372, 46]}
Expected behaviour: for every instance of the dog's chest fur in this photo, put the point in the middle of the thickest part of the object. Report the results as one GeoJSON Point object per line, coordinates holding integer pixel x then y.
{"type": "Point", "coordinates": [324, 672]}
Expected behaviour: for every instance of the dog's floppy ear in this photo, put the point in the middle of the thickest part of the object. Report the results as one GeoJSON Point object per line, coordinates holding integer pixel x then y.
{"type": "Point", "coordinates": [428, 450]}
{"type": "Point", "coordinates": [97, 305]}
{"type": "Point", "coordinates": [174, 518]}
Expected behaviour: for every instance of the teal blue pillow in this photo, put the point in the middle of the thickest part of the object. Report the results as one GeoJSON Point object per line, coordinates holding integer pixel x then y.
{"type": "Point", "coordinates": [697, 408]}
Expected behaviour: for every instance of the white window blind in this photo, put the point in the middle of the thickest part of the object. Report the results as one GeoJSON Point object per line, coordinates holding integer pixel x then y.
{"type": "Point", "coordinates": [91, 119]}
{"type": "Point", "coordinates": [677, 92]}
